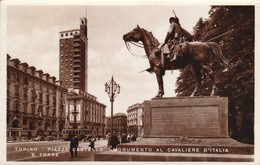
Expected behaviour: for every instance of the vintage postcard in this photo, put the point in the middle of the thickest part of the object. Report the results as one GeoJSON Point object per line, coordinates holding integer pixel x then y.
{"type": "Point", "coordinates": [111, 82]}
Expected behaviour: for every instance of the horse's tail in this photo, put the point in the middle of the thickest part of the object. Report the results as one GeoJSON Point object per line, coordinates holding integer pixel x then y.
{"type": "Point", "coordinates": [217, 52]}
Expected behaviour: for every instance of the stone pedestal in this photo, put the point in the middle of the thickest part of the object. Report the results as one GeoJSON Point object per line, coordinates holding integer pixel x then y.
{"type": "Point", "coordinates": [183, 129]}
{"type": "Point", "coordinates": [189, 117]}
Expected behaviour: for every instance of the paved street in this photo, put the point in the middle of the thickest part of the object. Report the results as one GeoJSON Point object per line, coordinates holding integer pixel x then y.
{"type": "Point", "coordinates": [51, 151]}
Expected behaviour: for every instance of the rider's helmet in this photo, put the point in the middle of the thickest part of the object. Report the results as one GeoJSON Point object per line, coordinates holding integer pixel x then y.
{"type": "Point", "coordinates": [175, 19]}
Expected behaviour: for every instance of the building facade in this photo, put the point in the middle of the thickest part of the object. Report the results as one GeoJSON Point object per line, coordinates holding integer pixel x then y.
{"type": "Point", "coordinates": [35, 102]}
{"type": "Point", "coordinates": [135, 120]}
{"type": "Point", "coordinates": [74, 57]}
{"type": "Point", "coordinates": [119, 124]}
{"type": "Point", "coordinates": [84, 114]}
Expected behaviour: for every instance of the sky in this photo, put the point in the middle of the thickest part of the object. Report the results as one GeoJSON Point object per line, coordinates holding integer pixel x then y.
{"type": "Point", "coordinates": [33, 37]}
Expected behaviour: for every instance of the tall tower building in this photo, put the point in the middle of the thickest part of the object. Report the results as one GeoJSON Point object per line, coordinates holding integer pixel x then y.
{"type": "Point", "coordinates": [74, 57]}
{"type": "Point", "coordinates": [84, 114]}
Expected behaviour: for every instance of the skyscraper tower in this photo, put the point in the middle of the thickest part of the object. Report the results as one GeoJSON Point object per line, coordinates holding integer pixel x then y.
{"type": "Point", "coordinates": [84, 114]}
{"type": "Point", "coordinates": [74, 57]}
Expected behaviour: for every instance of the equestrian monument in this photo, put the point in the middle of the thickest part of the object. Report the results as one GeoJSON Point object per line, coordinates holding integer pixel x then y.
{"type": "Point", "coordinates": [181, 128]}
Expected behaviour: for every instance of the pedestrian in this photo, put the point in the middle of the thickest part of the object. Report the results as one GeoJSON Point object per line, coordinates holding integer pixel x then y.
{"type": "Point", "coordinates": [133, 137]}
{"type": "Point", "coordinates": [128, 138]}
{"type": "Point", "coordinates": [15, 138]}
{"type": "Point", "coordinates": [114, 141]}
{"type": "Point", "coordinates": [108, 141]}
{"type": "Point", "coordinates": [92, 143]}
{"type": "Point", "coordinates": [74, 142]}
{"type": "Point", "coordinates": [123, 138]}
{"type": "Point", "coordinates": [119, 139]}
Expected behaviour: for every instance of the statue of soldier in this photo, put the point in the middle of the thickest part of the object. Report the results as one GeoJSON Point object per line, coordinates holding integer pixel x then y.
{"type": "Point", "coordinates": [172, 38]}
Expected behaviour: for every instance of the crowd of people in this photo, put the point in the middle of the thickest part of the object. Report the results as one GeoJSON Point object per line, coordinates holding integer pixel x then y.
{"type": "Point", "coordinates": [114, 140]}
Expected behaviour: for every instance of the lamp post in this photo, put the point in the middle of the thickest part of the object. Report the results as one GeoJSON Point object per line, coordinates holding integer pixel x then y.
{"type": "Point", "coordinates": [112, 89]}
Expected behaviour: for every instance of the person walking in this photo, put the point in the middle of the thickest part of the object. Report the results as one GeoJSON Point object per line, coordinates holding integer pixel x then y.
{"type": "Point", "coordinates": [108, 141]}
{"type": "Point", "coordinates": [74, 142]}
{"type": "Point", "coordinates": [92, 143]}
{"type": "Point", "coordinates": [114, 141]}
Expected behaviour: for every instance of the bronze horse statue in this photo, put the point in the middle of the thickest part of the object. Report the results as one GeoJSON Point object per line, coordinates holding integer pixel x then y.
{"type": "Point", "coordinates": [196, 54]}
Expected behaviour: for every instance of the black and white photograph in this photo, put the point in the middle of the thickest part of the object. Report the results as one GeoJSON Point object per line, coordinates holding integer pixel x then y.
{"type": "Point", "coordinates": [138, 82]}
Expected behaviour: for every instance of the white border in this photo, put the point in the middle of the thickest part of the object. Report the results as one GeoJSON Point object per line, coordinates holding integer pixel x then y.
{"type": "Point", "coordinates": [119, 3]}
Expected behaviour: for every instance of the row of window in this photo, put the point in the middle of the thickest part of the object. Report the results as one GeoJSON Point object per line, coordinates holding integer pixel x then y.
{"type": "Point", "coordinates": [66, 60]}
{"type": "Point", "coordinates": [132, 116]}
{"type": "Point", "coordinates": [51, 112]}
{"type": "Point", "coordinates": [66, 50]}
{"type": "Point", "coordinates": [68, 34]}
{"type": "Point", "coordinates": [66, 71]}
{"type": "Point", "coordinates": [66, 44]}
{"type": "Point", "coordinates": [66, 55]}
{"type": "Point", "coordinates": [22, 79]}
{"type": "Point", "coordinates": [132, 112]}
{"type": "Point", "coordinates": [19, 91]}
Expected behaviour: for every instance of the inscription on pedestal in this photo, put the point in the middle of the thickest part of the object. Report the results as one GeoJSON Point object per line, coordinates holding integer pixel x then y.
{"type": "Point", "coordinates": [181, 121]}
{"type": "Point", "coordinates": [191, 117]}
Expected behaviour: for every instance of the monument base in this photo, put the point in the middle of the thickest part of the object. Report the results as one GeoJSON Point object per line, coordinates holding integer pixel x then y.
{"type": "Point", "coordinates": [183, 129]}
{"type": "Point", "coordinates": [180, 149]}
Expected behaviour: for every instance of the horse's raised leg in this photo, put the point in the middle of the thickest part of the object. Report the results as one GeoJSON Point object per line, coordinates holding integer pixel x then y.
{"type": "Point", "coordinates": [212, 77]}
{"type": "Point", "coordinates": [159, 78]}
{"type": "Point", "coordinates": [197, 69]}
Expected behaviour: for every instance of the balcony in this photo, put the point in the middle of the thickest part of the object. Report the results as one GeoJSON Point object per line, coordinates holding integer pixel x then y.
{"type": "Point", "coordinates": [76, 71]}
{"type": "Point", "coordinates": [76, 76]}
{"type": "Point", "coordinates": [76, 45]}
{"type": "Point", "coordinates": [76, 39]}
{"type": "Point", "coordinates": [77, 50]}
{"type": "Point", "coordinates": [76, 60]}
{"type": "Point", "coordinates": [76, 66]}
{"type": "Point", "coordinates": [76, 81]}
{"type": "Point", "coordinates": [76, 55]}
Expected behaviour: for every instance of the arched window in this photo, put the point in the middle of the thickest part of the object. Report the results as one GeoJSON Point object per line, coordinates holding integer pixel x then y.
{"type": "Point", "coordinates": [15, 124]}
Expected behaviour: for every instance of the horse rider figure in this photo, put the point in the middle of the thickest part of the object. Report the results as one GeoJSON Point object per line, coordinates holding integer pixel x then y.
{"type": "Point", "coordinates": [172, 38]}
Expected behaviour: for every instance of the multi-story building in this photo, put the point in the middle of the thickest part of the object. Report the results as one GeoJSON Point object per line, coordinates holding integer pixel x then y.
{"type": "Point", "coordinates": [35, 102]}
{"type": "Point", "coordinates": [74, 57]}
{"type": "Point", "coordinates": [135, 119]}
{"type": "Point", "coordinates": [84, 114]}
{"type": "Point", "coordinates": [119, 124]}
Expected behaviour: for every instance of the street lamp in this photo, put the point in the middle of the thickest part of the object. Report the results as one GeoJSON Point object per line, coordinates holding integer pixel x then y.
{"type": "Point", "coordinates": [112, 89]}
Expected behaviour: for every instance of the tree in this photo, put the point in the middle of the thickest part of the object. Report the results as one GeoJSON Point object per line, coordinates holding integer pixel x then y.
{"type": "Point", "coordinates": [238, 83]}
